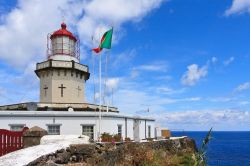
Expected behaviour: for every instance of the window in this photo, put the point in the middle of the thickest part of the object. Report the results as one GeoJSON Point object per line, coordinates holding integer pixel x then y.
{"type": "Point", "coordinates": [16, 127]}
{"type": "Point", "coordinates": [88, 130]}
{"type": "Point", "coordinates": [120, 130]}
{"type": "Point", "coordinates": [54, 129]}
{"type": "Point", "coordinates": [149, 131]}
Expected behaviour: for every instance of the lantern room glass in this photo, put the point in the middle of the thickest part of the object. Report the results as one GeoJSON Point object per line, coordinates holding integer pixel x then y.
{"type": "Point", "coordinates": [63, 45]}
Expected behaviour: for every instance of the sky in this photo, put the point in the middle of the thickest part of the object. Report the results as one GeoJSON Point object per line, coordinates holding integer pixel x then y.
{"type": "Point", "coordinates": [184, 63]}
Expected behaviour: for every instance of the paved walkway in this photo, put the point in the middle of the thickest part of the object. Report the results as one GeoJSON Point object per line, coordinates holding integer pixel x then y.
{"type": "Point", "coordinates": [49, 144]}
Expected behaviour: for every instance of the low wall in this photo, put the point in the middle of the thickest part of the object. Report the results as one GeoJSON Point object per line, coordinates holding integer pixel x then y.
{"type": "Point", "coordinates": [130, 153]}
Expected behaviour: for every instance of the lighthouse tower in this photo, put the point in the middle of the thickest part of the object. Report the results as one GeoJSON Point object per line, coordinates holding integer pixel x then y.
{"type": "Point", "coordinates": [62, 77]}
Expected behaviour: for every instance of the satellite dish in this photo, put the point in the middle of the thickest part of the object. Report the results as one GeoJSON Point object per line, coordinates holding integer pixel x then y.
{"type": "Point", "coordinates": [70, 109]}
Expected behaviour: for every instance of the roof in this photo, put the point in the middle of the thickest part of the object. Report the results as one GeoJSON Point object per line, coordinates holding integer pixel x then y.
{"type": "Point", "coordinates": [68, 114]}
{"type": "Point", "coordinates": [43, 106]}
{"type": "Point", "coordinates": [63, 32]}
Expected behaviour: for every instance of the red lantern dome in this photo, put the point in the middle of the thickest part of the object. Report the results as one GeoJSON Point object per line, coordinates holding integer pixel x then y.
{"type": "Point", "coordinates": [63, 45]}
{"type": "Point", "coordinates": [63, 32]}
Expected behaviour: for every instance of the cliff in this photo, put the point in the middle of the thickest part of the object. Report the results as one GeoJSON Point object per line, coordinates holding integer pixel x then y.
{"type": "Point", "coordinates": [165, 152]}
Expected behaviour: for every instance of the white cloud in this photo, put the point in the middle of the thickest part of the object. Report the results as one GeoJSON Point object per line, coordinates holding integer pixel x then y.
{"type": "Point", "coordinates": [214, 59]}
{"type": "Point", "coordinates": [152, 67]}
{"type": "Point", "coordinates": [123, 58]}
{"type": "Point", "coordinates": [132, 96]}
{"type": "Point", "coordinates": [194, 99]}
{"type": "Point", "coordinates": [168, 91]}
{"type": "Point", "coordinates": [243, 87]}
{"type": "Point", "coordinates": [112, 83]}
{"type": "Point", "coordinates": [221, 99]}
{"type": "Point", "coordinates": [238, 7]}
{"type": "Point", "coordinates": [227, 119]}
{"type": "Point", "coordinates": [244, 103]}
{"type": "Point", "coordinates": [194, 74]}
{"type": "Point", "coordinates": [97, 96]}
{"type": "Point", "coordinates": [130, 100]}
{"type": "Point", "coordinates": [19, 87]}
{"type": "Point", "coordinates": [229, 61]}
{"type": "Point", "coordinates": [24, 30]}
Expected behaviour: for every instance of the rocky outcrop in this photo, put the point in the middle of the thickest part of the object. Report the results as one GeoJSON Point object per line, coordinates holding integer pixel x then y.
{"type": "Point", "coordinates": [129, 153]}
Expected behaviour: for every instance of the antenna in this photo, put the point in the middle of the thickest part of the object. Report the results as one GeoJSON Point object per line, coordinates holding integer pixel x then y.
{"type": "Point", "coordinates": [63, 15]}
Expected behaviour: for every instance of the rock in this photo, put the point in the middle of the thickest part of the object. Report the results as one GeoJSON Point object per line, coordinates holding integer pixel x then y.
{"type": "Point", "coordinates": [125, 154]}
{"type": "Point", "coordinates": [73, 158]}
{"type": "Point", "coordinates": [51, 163]}
{"type": "Point", "coordinates": [62, 158]}
{"type": "Point", "coordinates": [33, 136]}
{"type": "Point", "coordinates": [60, 151]}
{"type": "Point", "coordinates": [83, 149]}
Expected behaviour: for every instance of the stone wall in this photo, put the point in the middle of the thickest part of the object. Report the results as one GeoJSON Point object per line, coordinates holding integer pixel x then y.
{"type": "Point", "coordinates": [33, 136]}
{"type": "Point", "coordinates": [129, 153]}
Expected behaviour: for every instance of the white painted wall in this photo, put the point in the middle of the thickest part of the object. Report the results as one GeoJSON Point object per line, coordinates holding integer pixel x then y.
{"type": "Point", "coordinates": [72, 124]}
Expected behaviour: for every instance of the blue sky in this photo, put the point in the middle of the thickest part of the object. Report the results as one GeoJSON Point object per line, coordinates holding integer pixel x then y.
{"type": "Point", "coordinates": [187, 61]}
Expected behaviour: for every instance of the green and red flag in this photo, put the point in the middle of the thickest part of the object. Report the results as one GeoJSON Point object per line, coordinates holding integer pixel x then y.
{"type": "Point", "coordinates": [105, 41]}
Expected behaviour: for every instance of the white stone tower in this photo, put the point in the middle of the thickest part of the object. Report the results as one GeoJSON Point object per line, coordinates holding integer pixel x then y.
{"type": "Point", "coordinates": [62, 77]}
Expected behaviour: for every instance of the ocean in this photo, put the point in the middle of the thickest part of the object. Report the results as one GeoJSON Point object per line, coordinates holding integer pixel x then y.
{"type": "Point", "coordinates": [225, 148]}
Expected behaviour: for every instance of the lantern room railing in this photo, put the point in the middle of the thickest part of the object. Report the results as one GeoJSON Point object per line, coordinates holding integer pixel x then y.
{"type": "Point", "coordinates": [63, 48]}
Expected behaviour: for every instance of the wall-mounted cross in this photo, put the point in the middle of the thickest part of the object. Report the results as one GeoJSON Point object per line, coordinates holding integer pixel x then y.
{"type": "Point", "coordinates": [61, 87]}
{"type": "Point", "coordinates": [45, 90]}
{"type": "Point", "coordinates": [78, 90]}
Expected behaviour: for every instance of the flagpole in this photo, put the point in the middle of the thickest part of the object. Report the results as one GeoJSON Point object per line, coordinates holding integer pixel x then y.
{"type": "Point", "coordinates": [100, 94]}
{"type": "Point", "coordinates": [107, 58]}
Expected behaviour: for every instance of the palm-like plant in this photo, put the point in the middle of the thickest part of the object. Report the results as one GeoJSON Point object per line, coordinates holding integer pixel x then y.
{"type": "Point", "coordinates": [201, 156]}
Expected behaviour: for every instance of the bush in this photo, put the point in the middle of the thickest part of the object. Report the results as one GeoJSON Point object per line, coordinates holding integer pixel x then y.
{"type": "Point", "coordinates": [106, 137]}
{"type": "Point", "coordinates": [127, 139]}
{"type": "Point", "coordinates": [117, 138]}
{"type": "Point", "coordinates": [150, 139]}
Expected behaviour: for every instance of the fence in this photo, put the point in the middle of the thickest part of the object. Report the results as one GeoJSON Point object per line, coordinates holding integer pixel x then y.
{"type": "Point", "coordinates": [11, 140]}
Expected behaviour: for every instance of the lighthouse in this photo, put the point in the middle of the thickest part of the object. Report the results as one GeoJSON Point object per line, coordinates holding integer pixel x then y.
{"type": "Point", "coordinates": [62, 107]}
{"type": "Point", "coordinates": [62, 77]}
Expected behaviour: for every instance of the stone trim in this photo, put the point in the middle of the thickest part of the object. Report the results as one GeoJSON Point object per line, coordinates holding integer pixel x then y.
{"type": "Point", "coordinates": [54, 124]}
{"type": "Point", "coordinates": [87, 124]}
{"type": "Point", "coordinates": [16, 124]}
{"type": "Point", "coordinates": [74, 114]}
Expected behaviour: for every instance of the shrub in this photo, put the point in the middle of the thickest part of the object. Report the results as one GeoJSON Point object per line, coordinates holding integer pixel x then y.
{"type": "Point", "coordinates": [150, 139]}
{"type": "Point", "coordinates": [117, 138]}
{"type": "Point", "coordinates": [127, 139]}
{"type": "Point", "coordinates": [106, 137]}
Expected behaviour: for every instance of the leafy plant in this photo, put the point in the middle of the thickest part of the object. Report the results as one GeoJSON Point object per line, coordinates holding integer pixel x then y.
{"type": "Point", "coordinates": [106, 137]}
{"type": "Point", "coordinates": [127, 139]}
{"type": "Point", "coordinates": [117, 138]}
{"type": "Point", "coordinates": [201, 155]}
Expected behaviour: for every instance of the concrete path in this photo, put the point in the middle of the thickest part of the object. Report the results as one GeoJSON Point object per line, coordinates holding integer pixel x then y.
{"type": "Point", "coordinates": [49, 144]}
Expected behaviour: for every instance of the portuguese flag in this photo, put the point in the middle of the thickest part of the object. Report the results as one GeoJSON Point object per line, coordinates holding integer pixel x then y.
{"type": "Point", "coordinates": [105, 41]}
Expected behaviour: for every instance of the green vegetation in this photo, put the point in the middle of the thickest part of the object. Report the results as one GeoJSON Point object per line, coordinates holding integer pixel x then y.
{"type": "Point", "coordinates": [160, 158]}
{"type": "Point", "coordinates": [201, 157]}
{"type": "Point", "coordinates": [106, 137]}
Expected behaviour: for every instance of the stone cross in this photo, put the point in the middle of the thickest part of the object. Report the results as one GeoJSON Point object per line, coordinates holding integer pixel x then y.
{"type": "Point", "coordinates": [61, 87]}
{"type": "Point", "coordinates": [45, 90]}
{"type": "Point", "coordinates": [78, 89]}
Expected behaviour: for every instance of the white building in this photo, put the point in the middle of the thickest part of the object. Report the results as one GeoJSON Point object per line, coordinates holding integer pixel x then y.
{"type": "Point", "coordinates": [62, 108]}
